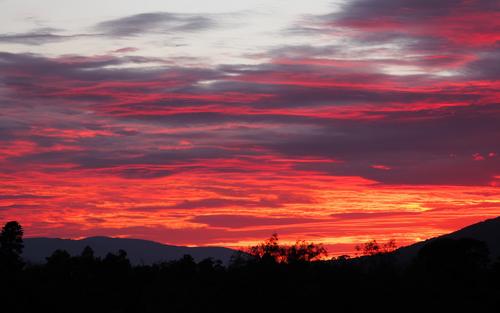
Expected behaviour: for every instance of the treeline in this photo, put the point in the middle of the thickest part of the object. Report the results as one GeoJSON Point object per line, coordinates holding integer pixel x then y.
{"type": "Point", "coordinates": [446, 276]}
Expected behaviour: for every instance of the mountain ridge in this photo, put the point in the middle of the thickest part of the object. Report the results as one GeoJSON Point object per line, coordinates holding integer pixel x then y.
{"type": "Point", "coordinates": [147, 252]}
{"type": "Point", "coordinates": [487, 230]}
{"type": "Point", "coordinates": [139, 251]}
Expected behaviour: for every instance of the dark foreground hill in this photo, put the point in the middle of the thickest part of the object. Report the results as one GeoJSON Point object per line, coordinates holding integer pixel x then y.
{"type": "Point", "coordinates": [139, 252]}
{"type": "Point", "coordinates": [487, 231]}
{"type": "Point", "coordinates": [447, 275]}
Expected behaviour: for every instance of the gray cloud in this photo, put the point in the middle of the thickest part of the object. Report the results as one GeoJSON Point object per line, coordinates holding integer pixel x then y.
{"type": "Point", "coordinates": [408, 11]}
{"type": "Point", "coordinates": [158, 22]}
{"type": "Point", "coordinates": [221, 203]}
{"type": "Point", "coordinates": [23, 197]}
{"type": "Point", "coordinates": [242, 221]}
{"type": "Point", "coordinates": [487, 66]}
{"type": "Point", "coordinates": [143, 173]}
{"type": "Point", "coordinates": [421, 26]}
{"type": "Point", "coordinates": [370, 215]}
{"type": "Point", "coordinates": [39, 37]}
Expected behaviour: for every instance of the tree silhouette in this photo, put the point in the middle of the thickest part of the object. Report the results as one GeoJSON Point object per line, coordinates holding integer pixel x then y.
{"type": "Point", "coordinates": [119, 260]}
{"type": "Point", "coordinates": [59, 258]}
{"type": "Point", "coordinates": [301, 251]}
{"type": "Point", "coordinates": [87, 253]}
{"type": "Point", "coordinates": [269, 250]}
{"type": "Point", "coordinates": [372, 248]}
{"type": "Point", "coordinates": [11, 245]}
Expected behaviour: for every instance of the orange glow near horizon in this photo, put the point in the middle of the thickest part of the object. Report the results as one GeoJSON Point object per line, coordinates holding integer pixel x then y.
{"type": "Point", "coordinates": [236, 210]}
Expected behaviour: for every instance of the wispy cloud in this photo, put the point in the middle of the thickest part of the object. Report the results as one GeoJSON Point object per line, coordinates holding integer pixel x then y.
{"type": "Point", "coordinates": [157, 22]}
{"type": "Point", "coordinates": [39, 37]}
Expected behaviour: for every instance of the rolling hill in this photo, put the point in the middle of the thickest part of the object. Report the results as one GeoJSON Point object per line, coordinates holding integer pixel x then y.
{"type": "Point", "coordinates": [487, 231]}
{"type": "Point", "coordinates": [139, 251]}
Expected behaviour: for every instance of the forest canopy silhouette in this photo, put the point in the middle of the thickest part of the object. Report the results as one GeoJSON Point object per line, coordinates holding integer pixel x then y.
{"type": "Point", "coordinates": [446, 275]}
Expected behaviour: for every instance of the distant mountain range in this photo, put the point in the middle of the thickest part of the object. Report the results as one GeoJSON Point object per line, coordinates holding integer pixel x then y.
{"type": "Point", "coordinates": [139, 251]}
{"type": "Point", "coordinates": [487, 231]}
{"type": "Point", "coordinates": [148, 252]}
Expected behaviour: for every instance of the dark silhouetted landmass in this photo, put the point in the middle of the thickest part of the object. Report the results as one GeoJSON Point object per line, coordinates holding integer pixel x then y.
{"type": "Point", "coordinates": [487, 231]}
{"type": "Point", "coordinates": [452, 273]}
{"type": "Point", "coordinates": [36, 250]}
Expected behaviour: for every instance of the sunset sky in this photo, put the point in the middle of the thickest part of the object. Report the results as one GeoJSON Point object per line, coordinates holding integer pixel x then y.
{"type": "Point", "coordinates": [220, 122]}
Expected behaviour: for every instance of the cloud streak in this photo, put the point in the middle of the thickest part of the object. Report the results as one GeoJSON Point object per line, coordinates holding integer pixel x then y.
{"type": "Point", "coordinates": [39, 37]}
{"type": "Point", "coordinates": [156, 22]}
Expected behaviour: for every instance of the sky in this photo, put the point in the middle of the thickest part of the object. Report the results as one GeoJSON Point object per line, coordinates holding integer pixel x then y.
{"type": "Point", "coordinates": [221, 122]}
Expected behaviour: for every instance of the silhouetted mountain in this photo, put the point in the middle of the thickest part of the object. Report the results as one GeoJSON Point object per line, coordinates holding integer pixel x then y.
{"type": "Point", "coordinates": [448, 275]}
{"type": "Point", "coordinates": [138, 251]}
{"type": "Point", "coordinates": [487, 231]}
